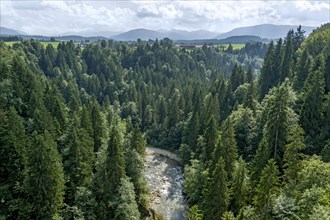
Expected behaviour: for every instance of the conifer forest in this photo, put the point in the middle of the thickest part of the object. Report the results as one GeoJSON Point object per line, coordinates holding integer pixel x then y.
{"type": "Point", "coordinates": [251, 126]}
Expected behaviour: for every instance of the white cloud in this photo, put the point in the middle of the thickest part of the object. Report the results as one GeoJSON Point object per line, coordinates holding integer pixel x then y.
{"type": "Point", "coordinates": [56, 17]}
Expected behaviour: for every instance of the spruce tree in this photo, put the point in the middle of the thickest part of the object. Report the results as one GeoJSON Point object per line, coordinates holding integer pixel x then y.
{"type": "Point", "coordinates": [265, 79]}
{"type": "Point", "coordinates": [98, 127]}
{"type": "Point", "coordinates": [109, 174]}
{"type": "Point", "coordinates": [126, 207]}
{"type": "Point", "coordinates": [217, 201]}
{"type": "Point", "coordinates": [14, 143]}
{"type": "Point", "coordinates": [277, 113]}
{"type": "Point", "coordinates": [227, 147]}
{"type": "Point", "coordinates": [211, 138]}
{"type": "Point", "coordinates": [138, 142]}
{"type": "Point", "coordinates": [239, 186]}
{"type": "Point", "coordinates": [311, 111]}
{"type": "Point", "coordinates": [135, 170]}
{"type": "Point", "coordinates": [292, 156]}
{"type": "Point", "coordinates": [44, 183]}
{"type": "Point", "coordinates": [267, 188]}
{"type": "Point", "coordinates": [288, 61]}
{"type": "Point", "coordinates": [79, 159]}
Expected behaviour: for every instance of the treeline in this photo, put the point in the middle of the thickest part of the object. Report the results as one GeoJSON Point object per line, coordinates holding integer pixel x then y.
{"type": "Point", "coordinates": [71, 122]}
{"type": "Point", "coordinates": [268, 156]}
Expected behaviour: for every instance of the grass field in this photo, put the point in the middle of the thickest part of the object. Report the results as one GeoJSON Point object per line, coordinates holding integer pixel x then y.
{"type": "Point", "coordinates": [43, 43]}
{"type": "Point", "coordinates": [235, 46]}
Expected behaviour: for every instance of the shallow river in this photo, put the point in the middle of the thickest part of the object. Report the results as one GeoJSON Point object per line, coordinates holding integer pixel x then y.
{"type": "Point", "coordinates": [165, 179]}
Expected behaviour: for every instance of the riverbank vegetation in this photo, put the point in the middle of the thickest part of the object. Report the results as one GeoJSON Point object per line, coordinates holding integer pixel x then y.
{"type": "Point", "coordinates": [252, 127]}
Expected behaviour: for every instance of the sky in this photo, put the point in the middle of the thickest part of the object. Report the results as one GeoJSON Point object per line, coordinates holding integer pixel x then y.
{"type": "Point", "coordinates": [58, 17]}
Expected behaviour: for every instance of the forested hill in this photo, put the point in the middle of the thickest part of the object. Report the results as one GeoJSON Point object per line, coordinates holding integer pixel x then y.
{"type": "Point", "coordinates": [254, 138]}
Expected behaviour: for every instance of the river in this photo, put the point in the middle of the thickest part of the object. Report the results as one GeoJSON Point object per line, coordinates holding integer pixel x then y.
{"type": "Point", "coordinates": [164, 175]}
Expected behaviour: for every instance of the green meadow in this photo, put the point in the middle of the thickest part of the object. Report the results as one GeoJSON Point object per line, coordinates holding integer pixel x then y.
{"type": "Point", "coordinates": [235, 46]}
{"type": "Point", "coordinates": [43, 43]}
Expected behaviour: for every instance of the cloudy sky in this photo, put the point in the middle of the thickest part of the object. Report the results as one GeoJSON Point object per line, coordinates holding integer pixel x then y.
{"type": "Point", "coordinates": [57, 17]}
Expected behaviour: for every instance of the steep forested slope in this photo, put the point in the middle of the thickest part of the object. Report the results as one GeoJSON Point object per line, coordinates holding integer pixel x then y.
{"type": "Point", "coordinates": [269, 159]}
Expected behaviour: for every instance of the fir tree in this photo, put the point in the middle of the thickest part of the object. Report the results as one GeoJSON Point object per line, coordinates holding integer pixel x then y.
{"type": "Point", "coordinates": [109, 174]}
{"type": "Point", "coordinates": [239, 186]}
{"type": "Point", "coordinates": [211, 138]}
{"type": "Point", "coordinates": [126, 207]}
{"type": "Point", "coordinates": [266, 189]}
{"type": "Point", "coordinates": [227, 147]}
{"type": "Point", "coordinates": [292, 155]}
{"type": "Point", "coordinates": [311, 110]}
{"type": "Point", "coordinates": [14, 143]}
{"type": "Point", "coordinates": [44, 184]}
{"type": "Point", "coordinates": [217, 200]}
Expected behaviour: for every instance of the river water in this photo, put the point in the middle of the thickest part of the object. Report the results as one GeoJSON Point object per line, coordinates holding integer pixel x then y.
{"type": "Point", "coordinates": [164, 175]}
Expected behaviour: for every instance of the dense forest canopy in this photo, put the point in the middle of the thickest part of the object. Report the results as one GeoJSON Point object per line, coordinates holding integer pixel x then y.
{"type": "Point", "coordinates": [252, 127]}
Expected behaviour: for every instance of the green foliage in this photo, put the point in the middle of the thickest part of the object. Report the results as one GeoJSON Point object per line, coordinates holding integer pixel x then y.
{"type": "Point", "coordinates": [227, 148]}
{"type": "Point", "coordinates": [228, 216]}
{"type": "Point", "coordinates": [292, 156]}
{"type": "Point", "coordinates": [93, 105]}
{"type": "Point", "coordinates": [13, 156]}
{"type": "Point", "coordinates": [311, 111]}
{"type": "Point", "coordinates": [44, 183]}
{"type": "Point", "coordinates": [211, 138]}
{"type": "Point", "coordinates": [196, 177]}
{"type": "Point", "coordinates": [134, 170]}
{"type": "Point", "coordinates": [267, 189]}
{"type": "Point", "coordinates": [194, 213]}
{"type": "Point", "coordinates": [109, 174]}
{"type": "Point", "coordinates": [239, 186]}
{"type": "Point", "coordinates": [127, 207]}
{"type": "Point", "coordinates": [217, 199]}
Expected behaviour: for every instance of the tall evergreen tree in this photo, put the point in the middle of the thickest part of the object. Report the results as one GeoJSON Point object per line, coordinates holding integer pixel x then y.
{"type": "Point", "coordinates": [79, 159]}
{"type": "Point", "coordinates": [14, 143]}
{"type": "Point", "coordinates": [303, 68]}
{"type": "Point", "coordinates": [98, 127]}
{"type": "Point", "coordinates": [227, 147]}
{"type": "Point", "coordinates": [265, 82]}
{"type": "Point", "coordinates": [288, 56]}
{"type": "Point", "coordinates": [138, 142]}
{"type": "Point", "coordinates": [292, 155]}
{"type": "Point", "coordinates": [127, 207]}
{"type": "Point", "coordinates": [266, 189]}
{"type": "Point", "coordinates": [44, 183]}
{"type": "Point", "coordinates": [311, 110]}
{"type": "Point", "coordinates": [217, 200]}
{"type": "Point", "coordinates": [239, 186]}
{"type": "Point", "coordinates": [277, 113]}
{"type": "Point", "coordinates": [109, 174]}
{"type": "Point", "coordinates": [211, 138]}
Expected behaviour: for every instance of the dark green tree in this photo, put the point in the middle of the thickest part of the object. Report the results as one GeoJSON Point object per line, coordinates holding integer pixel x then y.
{"type": "Point", "coordinates": [292, 154]}
{"type": "Point", "coordinates": [267, 189]}
{"type": "Point", "coordinates": [311, 110]}
{"type": "Point", "coordinates": [44, 183]}
{"type": "Point", "coordinates": [239, 186]}
{"type": "Point", "coordinates": [227, 147]}
{"type": "Point", "coordinates": [217, 201]}
{"type": "Point", "coordinates": [109, 174]}
{"type": "Point", "coordinates": [14, 143]}
{"type": "Point", "coordinates": [210, 138]}
{"type": "Point", "coordinates": [126, 207]}
{"type": "Point", "coordinates": [266, 73]}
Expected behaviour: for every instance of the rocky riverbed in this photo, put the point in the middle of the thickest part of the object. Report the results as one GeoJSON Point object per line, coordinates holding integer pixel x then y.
{"type": "Point", "coordinates": [164, 175]}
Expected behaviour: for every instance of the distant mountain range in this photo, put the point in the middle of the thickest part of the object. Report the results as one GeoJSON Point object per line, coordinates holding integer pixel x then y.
{"type": "Point", "coordinates": [145, 34]}
{"type": "Point", "coordinates": [269, 31]}
{"type": "Point", "coordinates": [229, 40]}
{"type": "Point", "coordinates": [11, 32]}
{"type": "Point", "coordinates": [246, 34]}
